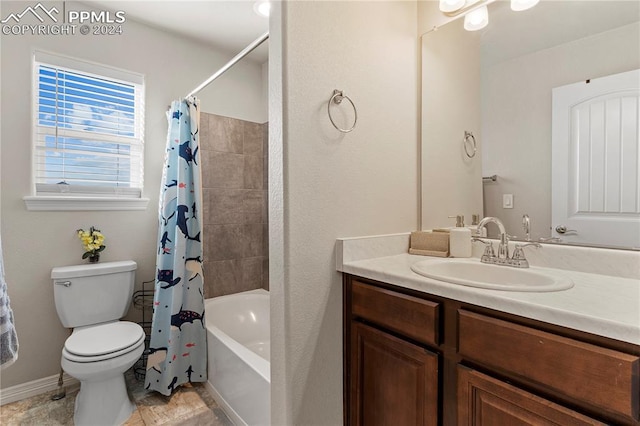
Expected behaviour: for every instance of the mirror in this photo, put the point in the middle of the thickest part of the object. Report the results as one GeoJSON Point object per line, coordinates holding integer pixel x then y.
{"type": "Point", "coordinates": [500, 82]}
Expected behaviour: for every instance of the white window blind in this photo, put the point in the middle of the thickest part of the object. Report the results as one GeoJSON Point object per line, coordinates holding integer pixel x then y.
{"type": "Point", "coordinates": [88, 129]}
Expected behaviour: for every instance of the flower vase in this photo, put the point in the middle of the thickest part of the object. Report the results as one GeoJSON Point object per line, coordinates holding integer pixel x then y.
{"type": "Point", "coordinates": [94, 258]}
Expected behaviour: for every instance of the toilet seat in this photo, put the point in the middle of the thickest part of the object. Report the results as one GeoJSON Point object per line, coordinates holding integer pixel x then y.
{"type": "Point", "coordinates": [104, 341]}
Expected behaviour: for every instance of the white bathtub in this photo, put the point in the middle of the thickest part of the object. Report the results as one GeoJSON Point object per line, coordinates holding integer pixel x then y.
{"type": "Point", "coordinates": [238, 342]}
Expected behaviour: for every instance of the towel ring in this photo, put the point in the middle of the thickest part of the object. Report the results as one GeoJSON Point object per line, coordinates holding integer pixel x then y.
{"type": "Point", "coordinates": [469, 141]}
{"type": "Point", "coordinates": [337, 98]}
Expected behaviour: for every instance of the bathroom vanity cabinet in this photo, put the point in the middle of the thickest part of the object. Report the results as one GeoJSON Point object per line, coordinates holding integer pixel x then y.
{"type": "Point", "coordinates": [412, 358]}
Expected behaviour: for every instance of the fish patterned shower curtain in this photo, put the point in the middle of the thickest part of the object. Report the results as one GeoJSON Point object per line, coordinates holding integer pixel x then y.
{"type": "Point", "coordinates": [178, 346]}
{"type": "Point", "coordinates": [8, 337]}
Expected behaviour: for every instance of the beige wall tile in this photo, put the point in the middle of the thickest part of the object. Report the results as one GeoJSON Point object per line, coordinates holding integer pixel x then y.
{"type": "Point", "coordinates": [223, 206]}
{"type": "Point", "coordinates": [203, 131]}
{"type": "Point", "coordinates": [265, 273]}
{"type": "Point", "coordinates": [225, 134]}
{"type": "Point", "coordinates": [222, 277]}
{"type": "Point", "coordinates": [235, 204]}
{"type": "Point", "coordinates": [253, 143]}
{"type": "Point", "coordinates": [222, 170]}
{"type": "Point", "coordinates": [253, 206]}
{"type": "Point", "coordinates": [252, 240]}
{"type": "Point", "coordinates": [224, 242]}
{"type": "Point", "coordinates": [251, 273]}
{"type": "Point", "coordinates": [253, 171]}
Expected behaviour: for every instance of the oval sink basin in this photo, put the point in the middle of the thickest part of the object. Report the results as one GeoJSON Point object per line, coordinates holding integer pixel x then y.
{"type": "Point", "coordinates": [473, 273]}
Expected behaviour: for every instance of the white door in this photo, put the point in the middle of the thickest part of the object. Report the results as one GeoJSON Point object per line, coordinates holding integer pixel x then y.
{"type": "Point", "coordinates": [595, 161]}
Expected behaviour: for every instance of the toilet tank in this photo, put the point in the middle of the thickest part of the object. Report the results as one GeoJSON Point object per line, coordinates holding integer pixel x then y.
{"type": "Point", "coordinates": [94, 292]}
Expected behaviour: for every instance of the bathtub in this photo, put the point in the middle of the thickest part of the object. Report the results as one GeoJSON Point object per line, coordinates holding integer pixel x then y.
{"type": "Point", "coordinates": [238, 343]}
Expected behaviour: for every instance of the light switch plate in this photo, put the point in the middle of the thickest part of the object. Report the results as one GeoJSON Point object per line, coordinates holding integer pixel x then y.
{"type": "Point", "coordinates": [507, 201]}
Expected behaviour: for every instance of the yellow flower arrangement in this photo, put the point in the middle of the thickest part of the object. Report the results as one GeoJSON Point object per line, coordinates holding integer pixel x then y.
{"type": "Point", "coordinates": [92, 242]}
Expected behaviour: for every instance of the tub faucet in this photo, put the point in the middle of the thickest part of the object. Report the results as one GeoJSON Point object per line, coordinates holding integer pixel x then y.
{"type": "Point", "coordinates": [503, 247]}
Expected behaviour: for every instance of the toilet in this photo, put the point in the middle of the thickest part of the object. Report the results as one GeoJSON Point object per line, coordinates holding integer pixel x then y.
{"type": "Point", "coordinates": [91, 298]}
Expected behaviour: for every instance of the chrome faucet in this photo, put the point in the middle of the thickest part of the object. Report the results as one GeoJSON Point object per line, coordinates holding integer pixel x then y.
{"type": "Point", "coordinates": [502, 258]}
{"type": "Point", "coordinates": [526, 225]}
{"type": "Point", "coordinates": [503, 247]}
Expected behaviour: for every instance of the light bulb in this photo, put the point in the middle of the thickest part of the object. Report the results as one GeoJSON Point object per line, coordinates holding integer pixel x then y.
{"type": "Point", "coordinates": [262, 8]}
{"type": "Point", "coordinates": [451, 5]}
{"type": "Point", "coordinates": [476, 19]}
{"type": "Point", "coordinates": [519, 5]}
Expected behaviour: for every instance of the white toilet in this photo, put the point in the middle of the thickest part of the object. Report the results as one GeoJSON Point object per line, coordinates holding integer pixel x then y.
{"type": "Point", "coordinates": [91, 299]}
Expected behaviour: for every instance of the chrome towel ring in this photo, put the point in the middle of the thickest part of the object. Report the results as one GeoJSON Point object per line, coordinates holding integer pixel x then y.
{"type": "Point", "coordinates": [469, 144]}
{"type": "Point", "coordinates": [337, 98]}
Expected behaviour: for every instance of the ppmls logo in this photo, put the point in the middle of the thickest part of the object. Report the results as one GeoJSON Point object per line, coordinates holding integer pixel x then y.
{"type": "Point", "coordinates": [40, 20]}
{"type": "Point", "coordinates": [16, 17]}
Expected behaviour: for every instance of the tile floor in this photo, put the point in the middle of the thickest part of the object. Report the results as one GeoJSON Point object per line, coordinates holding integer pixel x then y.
{"type": "Point", "coordinates": [191, 404]}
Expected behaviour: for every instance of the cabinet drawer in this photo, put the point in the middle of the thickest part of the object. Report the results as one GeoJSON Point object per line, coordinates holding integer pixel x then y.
{"type": "Point", "coordinates": [589, 374]}
{"type": "Point", "coordinates": [407, 315]}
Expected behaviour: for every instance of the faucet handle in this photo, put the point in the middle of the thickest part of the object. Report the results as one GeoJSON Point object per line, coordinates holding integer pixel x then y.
{"type": "Point", "coordinates": [488, 251]}
{"type": "Point", "coordinates": [518, 253]}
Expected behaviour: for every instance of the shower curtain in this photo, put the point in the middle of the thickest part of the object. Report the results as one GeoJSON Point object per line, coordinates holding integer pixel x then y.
{"type": "Point", "coordinates": [177, 350]}
{"type": "Point", "coordinates": [8, 337]}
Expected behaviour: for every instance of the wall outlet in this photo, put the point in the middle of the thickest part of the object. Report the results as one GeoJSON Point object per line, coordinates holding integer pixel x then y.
{"type": "Point", "coordinates": [507, 201]}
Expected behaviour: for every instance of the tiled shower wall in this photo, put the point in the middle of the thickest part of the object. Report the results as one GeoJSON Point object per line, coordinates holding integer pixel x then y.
{"type": "Point", "coordinates": [234, 180]}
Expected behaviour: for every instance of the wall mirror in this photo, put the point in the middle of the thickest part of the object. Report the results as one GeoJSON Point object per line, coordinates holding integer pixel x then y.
{"type": "Point", "coordinates": [498, 83]}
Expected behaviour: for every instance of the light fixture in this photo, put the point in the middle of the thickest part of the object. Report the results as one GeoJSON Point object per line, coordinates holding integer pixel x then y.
{"type": "Point", "coordinates": [519, 5]}
{"type": "Point", "coordinates": [475, 12]}
{"type": "Point", "coordinates": [262, 8]}
{"type": "Point", "coordinates": [476, 19]}
{"type": "Point", "coordinates": [451, 5]}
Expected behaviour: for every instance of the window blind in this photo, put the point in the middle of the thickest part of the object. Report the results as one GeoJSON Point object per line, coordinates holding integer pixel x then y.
{"type": "Point", "coordinates": [88, 132]}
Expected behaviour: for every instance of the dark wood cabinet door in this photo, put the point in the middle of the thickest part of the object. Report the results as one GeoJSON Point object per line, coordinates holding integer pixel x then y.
{"type": "Point", "coordinates": [485, 401]}
{"type": "Point", "coordinates": [393, 382]}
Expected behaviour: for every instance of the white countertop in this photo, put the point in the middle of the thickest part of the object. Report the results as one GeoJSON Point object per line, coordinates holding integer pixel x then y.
{"type": "Point", "coordinates": [599, 304]}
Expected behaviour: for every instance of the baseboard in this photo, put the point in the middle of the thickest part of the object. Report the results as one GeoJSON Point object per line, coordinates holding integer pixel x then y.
{"type": "Point", "coordinates": [36, 387]}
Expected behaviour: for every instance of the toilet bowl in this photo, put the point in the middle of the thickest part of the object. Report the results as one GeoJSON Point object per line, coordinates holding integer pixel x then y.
{"type": "Point", "coordinates": [90, 299]}
{"type": "Point", "coordinates": [103, 398]}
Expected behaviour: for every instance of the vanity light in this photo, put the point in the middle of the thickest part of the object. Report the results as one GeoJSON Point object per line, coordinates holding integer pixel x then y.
{"type": "Point", "coordinates": [262, 8]}
{"type": "Point", "coordinates": [519, 5]}
{"type": "Point", "coordinates": [451, 5]}
{"type": "Point", "coordinates": [475, 12]}
{"type": "Point", "coordinates": [476, 19]}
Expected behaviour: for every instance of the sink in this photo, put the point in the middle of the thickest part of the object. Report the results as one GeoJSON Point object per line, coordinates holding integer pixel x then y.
{"type": "Point", "coordinates": [471, 272]}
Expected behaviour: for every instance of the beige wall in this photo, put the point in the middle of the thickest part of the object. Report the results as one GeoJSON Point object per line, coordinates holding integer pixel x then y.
{"type": "Point", "coordinates": [335, 185]}
{"type": "Point", "coordinates": [34, 242]}
{"type": "Point", "coordinates": [516, 119]}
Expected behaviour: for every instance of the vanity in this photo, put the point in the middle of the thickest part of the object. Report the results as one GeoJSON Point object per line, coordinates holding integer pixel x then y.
{"type": "Point", "coordinates": [431, 341]}
{"type": "Point", "coordinates": [427, 352]}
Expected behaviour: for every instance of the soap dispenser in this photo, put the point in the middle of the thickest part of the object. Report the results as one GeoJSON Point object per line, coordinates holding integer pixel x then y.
{"type": "Point", "coordinates": [460, 239]}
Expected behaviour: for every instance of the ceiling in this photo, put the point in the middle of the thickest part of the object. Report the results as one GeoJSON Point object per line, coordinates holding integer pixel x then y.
{"type": "Point", "coordinates": [228, 25]}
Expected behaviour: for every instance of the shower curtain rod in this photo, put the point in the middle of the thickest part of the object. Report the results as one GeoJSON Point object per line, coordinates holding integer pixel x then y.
{"type": "Point", "coordinates": [257, 42]}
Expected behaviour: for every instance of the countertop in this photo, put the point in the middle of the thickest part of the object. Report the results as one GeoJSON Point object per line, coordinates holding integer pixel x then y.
{"type": "Point", "coordinates": [600, 304]}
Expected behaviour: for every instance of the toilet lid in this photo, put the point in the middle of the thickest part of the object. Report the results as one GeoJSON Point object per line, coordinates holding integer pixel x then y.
{"type": "Point", "coordinates": [104, 339]}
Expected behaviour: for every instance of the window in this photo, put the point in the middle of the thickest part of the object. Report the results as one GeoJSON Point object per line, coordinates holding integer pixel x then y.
{"type": "Point", "coordinates": [88, 128]}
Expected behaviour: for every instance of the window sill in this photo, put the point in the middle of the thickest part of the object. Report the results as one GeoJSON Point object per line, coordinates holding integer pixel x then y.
{"type": "Point", "coordinates": [58, 203]}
